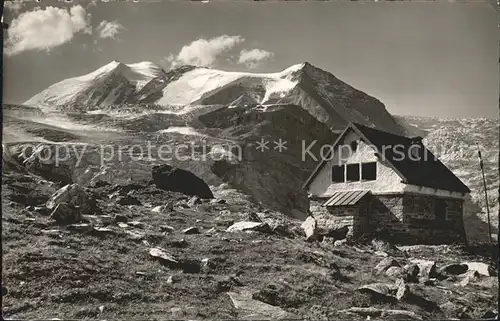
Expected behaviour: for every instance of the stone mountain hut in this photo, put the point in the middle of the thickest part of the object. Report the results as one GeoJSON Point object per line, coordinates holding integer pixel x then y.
{"type": "Point", "coordinates": [390, 185]}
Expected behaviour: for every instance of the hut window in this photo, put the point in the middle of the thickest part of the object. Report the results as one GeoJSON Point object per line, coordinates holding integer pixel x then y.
{"type": "Point", "coordinates": [440, 209]}
{"type": "Point", "coordinates": [338, 174]}
{"type": "Point", "coordinates": [369, 171]}
{"type": "Point", "coordinates": [352, 172]}
{"type": "Point", "coordinates": [354, 146]}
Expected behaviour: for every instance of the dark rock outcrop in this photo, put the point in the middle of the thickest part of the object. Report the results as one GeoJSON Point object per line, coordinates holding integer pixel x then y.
{"type": "Point", "coordinates": [178, 180]}
{"type": "Point", "coordinates": [453, 269]}
{"type": "Point", "coordinates": [65, 214]}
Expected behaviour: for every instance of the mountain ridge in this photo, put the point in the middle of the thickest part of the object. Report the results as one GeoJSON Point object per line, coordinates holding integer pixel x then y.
{"type": "Point", "coordinates": [119, 81]}
{"type": "Point", "coordinates": [320, 93]}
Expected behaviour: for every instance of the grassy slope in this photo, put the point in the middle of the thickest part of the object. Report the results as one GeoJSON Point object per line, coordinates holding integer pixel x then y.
{"type": "Point", "coordinates": [72, 274]}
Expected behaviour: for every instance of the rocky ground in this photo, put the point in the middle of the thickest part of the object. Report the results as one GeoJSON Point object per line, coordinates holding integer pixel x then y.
{"type": "Point", "coordinates": [138, 252]}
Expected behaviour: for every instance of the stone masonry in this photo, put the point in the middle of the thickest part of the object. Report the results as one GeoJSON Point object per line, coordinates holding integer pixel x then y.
{"type": "Point", "coordinates": [402, 218]}
{"type": "Point", "coordinates": [427, 226]}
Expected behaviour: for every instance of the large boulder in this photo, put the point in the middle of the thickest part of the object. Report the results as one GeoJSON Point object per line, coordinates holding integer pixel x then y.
{"type": "Point", "coordinates": [426, 269]}
{"type": "Point", "coordinates": [166, 259]}
{"type": "Point", "coordinates": [379, 291]}
{"type": "Point", "coordinates": [480, 267]}
{"type": "Point", "coordinates": [251, 309]}
{"type": "Point", "coordinates": [386, 263]}
{"type": "Point", "coordinates": [403, 291]}
{"type": "Point", "coordinates": [411, 271]}
{"type": "Point", "coordinates": [178, 180]}
{"type": "Point", "coordinates": [249, 226]}
{"type": "Point", "coordinates": [74, 196]}
{"type": "Point", "coordinates": [395, 272]}
{"type": "Point", "coordinates": [64, 214]}
{"type": "Point", "coordinates": [168, 207]}
{"type": "Point", "coordinates": [309, 226]}
{"type": "Point", "coordinates": [195, 200]}
{"type": "Point", "coordinates": [453, 269]}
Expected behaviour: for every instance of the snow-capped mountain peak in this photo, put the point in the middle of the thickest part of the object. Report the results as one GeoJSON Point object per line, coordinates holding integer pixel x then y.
{"type": "Point", "coordinates": [109, 84]}
{"type": "Point", "coordinates": [137, 74]}
{"type": "Point", "coordinates": [321, 94]}
{"type": "Point", "coordinates": [103, 71]}
{"type": "Point", "coordinates": [142, 72]}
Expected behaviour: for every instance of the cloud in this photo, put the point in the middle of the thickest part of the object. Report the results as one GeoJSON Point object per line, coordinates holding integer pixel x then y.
{"type": "Point", "coordinates": [46, 29]}
{"type": "Point", "coordinates": [203, 52]}
{"type": "Point", "coordinates": [109, 29]}
{"type": "Point", "coordinates": [254, 57]}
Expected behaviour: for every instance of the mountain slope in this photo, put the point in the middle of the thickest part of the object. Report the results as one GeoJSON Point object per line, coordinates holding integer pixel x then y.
{"type": "Point", "coordinates": [273, 178]}
{"type": "Point", "coordinates": [113, 83]}
{"type": "Point", "coordinates": [321, 94]}
{"type": "Point", "coordinates": [226, 138]}
{"type": "Point", "coordinates": [101, 268]}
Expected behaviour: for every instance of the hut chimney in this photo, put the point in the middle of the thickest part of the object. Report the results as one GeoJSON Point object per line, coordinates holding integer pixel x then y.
{"type": "Point", "coordinates": [416, 147]}
{"type": "Point", "coordinates": [416, 140]}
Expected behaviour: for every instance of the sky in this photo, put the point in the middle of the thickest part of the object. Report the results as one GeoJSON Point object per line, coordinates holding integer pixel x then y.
{"type": "Point", "coordinates": [423, 59]}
